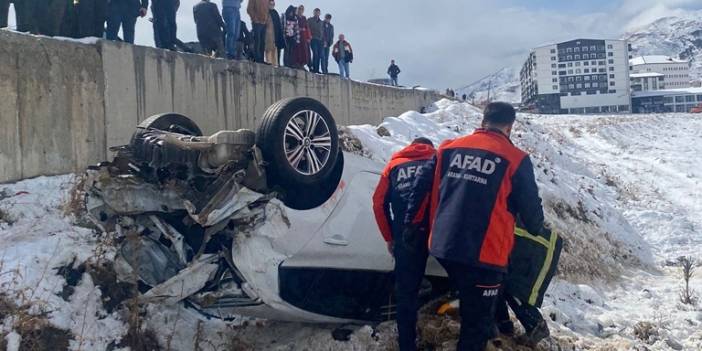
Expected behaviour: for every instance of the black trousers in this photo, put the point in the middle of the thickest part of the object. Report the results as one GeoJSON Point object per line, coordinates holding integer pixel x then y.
{"type": "Point", "coordinates": [528, 315]}
{"type": "Point", "coordinates": [259, 37]}
{"type": "Point", "coordinates": [411, 255]}
{"type": "Point", "coordinates": [166, 28]}
{"type": "Point", "coordinates": [478, 292]}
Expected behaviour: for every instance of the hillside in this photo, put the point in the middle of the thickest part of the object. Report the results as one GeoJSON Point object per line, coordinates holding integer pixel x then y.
{"type": "Point", "coordinates": [674, 36]}
{"type": "Point", "coordinates": [502, 85]}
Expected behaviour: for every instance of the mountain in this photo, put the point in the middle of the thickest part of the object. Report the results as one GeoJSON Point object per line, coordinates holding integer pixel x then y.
{"type": "Point", "coordinates": [502, 85]}
{"type": "Point", "coordinates": [679, 37]}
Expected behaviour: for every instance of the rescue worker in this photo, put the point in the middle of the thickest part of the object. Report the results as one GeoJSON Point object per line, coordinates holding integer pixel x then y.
{"type": "Point", "coordinates": [410, 252]}
{"type": "Point", "coordinates": [480, 186]}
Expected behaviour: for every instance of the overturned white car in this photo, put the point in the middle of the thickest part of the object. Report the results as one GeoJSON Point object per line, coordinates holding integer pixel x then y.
{"type": "Point", "coordinates": [274, 224]}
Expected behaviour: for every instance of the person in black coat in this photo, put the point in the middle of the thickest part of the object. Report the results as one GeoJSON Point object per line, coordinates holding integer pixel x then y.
{"type": "Point", "coordinates": [210, 27]}
{"type": "Point", "coordinates": [124, 13]}
{"type": "Point", "coordinates": [277, 30]}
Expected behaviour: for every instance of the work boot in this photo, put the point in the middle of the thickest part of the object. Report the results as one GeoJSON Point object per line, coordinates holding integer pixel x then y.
{"type": "Point", "coordinates": [539, 333]}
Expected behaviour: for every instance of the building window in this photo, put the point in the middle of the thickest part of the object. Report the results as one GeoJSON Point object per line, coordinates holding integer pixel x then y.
{"type": "Point", "coordinates": [587, 78]}
{"type": "Point", "coordinates": [578, 86]}
{"type": "Point", "coordinates": [610, 54]}
{"type": "Point", "coordinates": [610, 46]}
{"type": "Point", "coordinates": [585, 48]}
{"type": "Point", "coordinates": [601, 55]}
{"type": "Point", "coordinates": [593, 48]}
{"type": "Point", "coordinates": [555, 80]}
{"type": "Point", "coordinates": [690, 98]}
{"type": "Point", "coordinates": [571, 86]}
{"type": "Point", "coordinates": [555, 87]}
{"type": "Point", "coordinates": [611, 69]}
{"type": "Point", "coordinates": [577, 57]}
{"type": "Point", "coordinates": [577, 64]}
{"type": "Point", "coordinates": [586, 57]}
{"type": "Point", "coordinates": [603, 78]}
{"type": "Point", "coordinates": [569, 50]}
{"type": "Point", "coordinates": [611, 84]}
{"type": "Point", "coordinates": [575, 93]}
{"type": "Point", "coordinates": [578, 71]}
{"type": "Point", "coordinates": [601, 63]}
{"type": "Point", "coordinates": [554, 73]}
{"type": "Point", "coordinates": [611, 76]}
{"type": "Point", "coordinates": [602, 70]}
{"type": "Point", "coordinates": [595, 84]}
{"type": "Point", "coordinates": [569, 57]}
{"type": "Point", "coordinates": [611, 62]}
{"type": "Point", "coordinates": [699, 97]}
{"type": "Point", "coordinates": [570, 71]}
{"type": "Point", "coordinates": [570, 64]}
{"type": "Point", "coordinates": [593, 62]}
{"type": "Point", "coordinates": [561, 65]}
{"type": "Point", "coordinates": [553, 65]}
{"type": "Point", "coordinates": [587, 70]}
{"type": "Point", "coordinates": [587, 85]}
{"type": "Point", "coordinates": [553, 58]}
{"type": "Point", "coordinates": [571, 79]}
{"type": "Point", "coordinates": [561, 73]}
{"type": "Point", "coordinates": [592, 92]}
{"type": "Point", "coordinates": [576, 49]}
{"type": "Point", "coordinates": [553, 51]}
{"type": "Point", "coordinates": [612, 91]}
{"type": "Point", "coordinates": [586, 63]}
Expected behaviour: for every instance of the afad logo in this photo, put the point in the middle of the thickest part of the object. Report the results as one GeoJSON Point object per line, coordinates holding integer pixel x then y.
{"type": "Point", "coordinates": [475, 163]}
{"type": "Point", "coordinates": [405, 173]}
{"type": "Point", "coordinates": [491, 292]}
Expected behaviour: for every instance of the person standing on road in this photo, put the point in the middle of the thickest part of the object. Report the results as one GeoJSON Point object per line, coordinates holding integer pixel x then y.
{"type": "Point", "coordinates": [165, 25]}
{"type": "Point", "coordinates": [258, 11]}
{"type": "Point", "coordinates": [231, 13]}
{"type": "Point", "coordinates": [317, 32]}
{"type": "Point", "coordinates": [327, 42]}
{"type": "Point", "coordinates": [276, 35]}
{"type": "Point", "coordinates": [209, 25]}
{"type": "Point", "coordinates": [393, 72]}
{"type": "Point", "coordinates": [291, 32]}
{"type": "Point", "coordinates": [480, 186]}
{"type": "Point", "coordinates": [124, 13]}
{"type": "Point", "coordinates": [343, 54]}
{"type": "Point", "coordinates": [410, 251]}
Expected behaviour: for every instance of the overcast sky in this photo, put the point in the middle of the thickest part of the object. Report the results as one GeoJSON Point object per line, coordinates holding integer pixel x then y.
{"type": "Point", "coordinates": [452, 43]}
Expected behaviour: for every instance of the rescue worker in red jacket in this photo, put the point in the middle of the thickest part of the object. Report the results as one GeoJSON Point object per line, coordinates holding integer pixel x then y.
{"type": "Point", "coordinates": [410, 251]}
{"type": "Point", "coordinates": [480, 185]}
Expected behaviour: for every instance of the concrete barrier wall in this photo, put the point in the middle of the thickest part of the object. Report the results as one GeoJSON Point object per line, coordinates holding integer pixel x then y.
{"type": "Point", "coordinates": [63, 104]}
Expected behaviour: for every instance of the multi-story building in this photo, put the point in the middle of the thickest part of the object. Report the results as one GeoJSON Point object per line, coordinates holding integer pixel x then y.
{"type": "Point", "coordinates": [578, 76]}
{"type": "Point", "coordinates": [676, 72]}
{"type": "Point", "coordinates": [647, 81]}
{"type": "Point", "coordinates": [669, 100]}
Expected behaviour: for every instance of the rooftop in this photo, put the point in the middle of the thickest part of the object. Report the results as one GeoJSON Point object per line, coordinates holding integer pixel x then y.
{"type": "Point", "coordinates": [654, 59]}
{"type": "Point", "coordinates": [646, 75]}
{"type": "Point", "coordinates": [667, 92]}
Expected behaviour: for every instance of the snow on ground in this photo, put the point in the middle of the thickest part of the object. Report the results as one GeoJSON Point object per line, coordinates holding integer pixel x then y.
{"type": "Point", "coordinates": [623, 190]}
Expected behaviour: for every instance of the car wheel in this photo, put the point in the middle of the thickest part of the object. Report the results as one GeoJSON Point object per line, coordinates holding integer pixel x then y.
{"type": "Point", "coordinates": [172, 122]}
{"type": "Point", "coordinates": [300, 143]}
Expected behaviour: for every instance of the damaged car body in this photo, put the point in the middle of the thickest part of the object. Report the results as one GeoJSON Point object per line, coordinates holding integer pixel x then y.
{"type": "Point", "coordinates": [275, 223]}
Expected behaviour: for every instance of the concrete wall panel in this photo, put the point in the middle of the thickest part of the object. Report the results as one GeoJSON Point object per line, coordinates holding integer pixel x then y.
{"type": "Point", "coordinates": [64, 104]}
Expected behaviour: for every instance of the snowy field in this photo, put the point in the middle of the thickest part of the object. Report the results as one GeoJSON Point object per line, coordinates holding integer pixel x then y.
{"type": "Point", "coordinates": [625, 191]}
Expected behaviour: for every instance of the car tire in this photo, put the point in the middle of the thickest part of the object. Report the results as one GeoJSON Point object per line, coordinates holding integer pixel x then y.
{"type": "Point", "coordinates": [300, 144]}
{"type": "Point", "coordinates": [172, 122]}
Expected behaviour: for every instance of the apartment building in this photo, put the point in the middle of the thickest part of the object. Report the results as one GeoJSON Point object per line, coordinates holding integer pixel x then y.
{"type": "Point", "coordinates": [578, 76]}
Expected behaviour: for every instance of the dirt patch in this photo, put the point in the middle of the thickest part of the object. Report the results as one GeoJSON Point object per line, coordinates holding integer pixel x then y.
{"type": "Point", "coordinates": [46, 337]}
{"type": "Point", "coordinates": [350, 143]}
{"type": "Point", "coordinates": [72, 275]}
{"type": "Point", "coordinates": [6, 218]}
{"type": "Point", "coordinates": [114, 292]}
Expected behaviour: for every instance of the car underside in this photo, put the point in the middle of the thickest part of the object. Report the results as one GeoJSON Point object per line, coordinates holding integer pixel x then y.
{"type": "Point", "coordinates": [274, 223]}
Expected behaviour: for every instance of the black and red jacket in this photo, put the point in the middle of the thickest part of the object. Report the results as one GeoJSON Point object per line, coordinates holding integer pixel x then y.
{"type": "Point", "coordinates": [480, 185]}
{"type": "Point", "coordinates": [395, 187]}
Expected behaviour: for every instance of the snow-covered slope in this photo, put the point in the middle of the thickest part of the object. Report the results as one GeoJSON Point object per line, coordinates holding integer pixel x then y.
{"type": "Point", "coordinates": [623, 190]}
{"type": "Point", "coordinates": [502, 85]}
{"type": "Point", "coordinates": [674, 36]}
